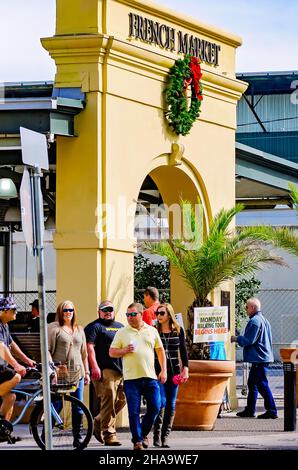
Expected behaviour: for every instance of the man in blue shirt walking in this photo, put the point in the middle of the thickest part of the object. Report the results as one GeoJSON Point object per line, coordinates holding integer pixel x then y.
{"type": "Point", "coordinates": [257, 349]}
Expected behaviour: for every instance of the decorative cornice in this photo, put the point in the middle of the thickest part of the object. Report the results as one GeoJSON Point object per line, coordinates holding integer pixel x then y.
{"type": "Point", "coordinates": [92, 48]}
{"type": "Point", "coordinates": [86, 45]}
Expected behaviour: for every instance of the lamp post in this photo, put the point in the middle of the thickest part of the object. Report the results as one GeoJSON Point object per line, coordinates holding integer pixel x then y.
{"type": "Point", "coordinates": [12, 219]}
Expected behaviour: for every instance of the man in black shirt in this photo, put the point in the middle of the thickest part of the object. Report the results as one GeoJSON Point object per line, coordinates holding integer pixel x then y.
{"type": "Point", "coordinates": [34, 320]}
{"type": "Point", "coordinates": [9, 377]}
{"type": "Point", "coordinates": [106, 373]}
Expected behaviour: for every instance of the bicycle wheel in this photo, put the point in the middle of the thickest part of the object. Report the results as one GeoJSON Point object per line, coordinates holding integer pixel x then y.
{"type": "Point", "coordinates": [62, 432]}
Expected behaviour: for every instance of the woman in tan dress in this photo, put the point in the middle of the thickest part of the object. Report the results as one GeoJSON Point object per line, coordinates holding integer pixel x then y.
{"type": "Point", "coordinates": [67, 344]}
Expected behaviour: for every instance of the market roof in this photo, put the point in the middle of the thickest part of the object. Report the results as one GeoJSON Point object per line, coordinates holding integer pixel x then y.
{"type": "Point", "coordinates": [267, 83]}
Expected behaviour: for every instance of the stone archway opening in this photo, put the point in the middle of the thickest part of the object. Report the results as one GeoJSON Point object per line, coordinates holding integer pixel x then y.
{"type": "Point", "coordinates": [159, 216]}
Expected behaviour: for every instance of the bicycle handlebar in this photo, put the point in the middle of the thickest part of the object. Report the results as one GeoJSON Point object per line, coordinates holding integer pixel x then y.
{"type": "Point", "coordinates": [38, 368]}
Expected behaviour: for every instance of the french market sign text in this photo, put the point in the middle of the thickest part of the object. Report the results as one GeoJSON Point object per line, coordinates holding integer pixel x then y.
{"type": "Point", "coordinates": [168, 38]}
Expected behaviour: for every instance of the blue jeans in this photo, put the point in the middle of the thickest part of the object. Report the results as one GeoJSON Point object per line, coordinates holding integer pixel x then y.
{"type": "Point", "coordinates": [258, 382]}
{"type": "Point", "coordinates": [168, 395]}
{"type": "Point", "coordinates": [78, 393]}
{"type": "Point", "coordinates": [134, 390]}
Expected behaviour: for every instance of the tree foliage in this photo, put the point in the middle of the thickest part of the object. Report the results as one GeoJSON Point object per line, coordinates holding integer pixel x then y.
{"type": "Point", "coordinates": [245, 288]}
{"type": "Point", "coordinates": [147, 273]}
{"type": "Point", "coordinates": [294, 196]}
{"type": "Point", "coordinates": [221, 256]}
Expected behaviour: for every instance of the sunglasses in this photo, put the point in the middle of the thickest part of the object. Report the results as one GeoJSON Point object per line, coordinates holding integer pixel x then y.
{"type": "Point", "coordinates": [132, 314]}
{"type": "Point", "coordinates": [68, 309]}
{"type": "Point", "coordinates": [161, 313]}
{"type": "Point", "coordinates": [107, 309]}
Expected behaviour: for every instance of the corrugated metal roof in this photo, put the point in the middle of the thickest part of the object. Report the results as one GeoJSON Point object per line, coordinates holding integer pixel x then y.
{"type": "Point", "coordinates": [278, 113]}
{"type": "Point", "coordinates": [264, 83]}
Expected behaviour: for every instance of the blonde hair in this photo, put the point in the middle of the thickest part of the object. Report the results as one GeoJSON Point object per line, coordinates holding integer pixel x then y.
{"type": "Point", "coordinates": [59, 313]}
{"type": "Point", "coordinates": [174, 325]}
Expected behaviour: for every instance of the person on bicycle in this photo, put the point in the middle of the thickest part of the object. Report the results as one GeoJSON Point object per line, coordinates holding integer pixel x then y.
{"type": "Point", "coordinates": [9, 376]}
{"type": "Point", "coordinates": [67, 344]}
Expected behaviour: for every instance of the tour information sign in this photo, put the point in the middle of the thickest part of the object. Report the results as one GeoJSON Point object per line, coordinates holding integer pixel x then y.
{"type": "Point", "coordinates": [210, 324]}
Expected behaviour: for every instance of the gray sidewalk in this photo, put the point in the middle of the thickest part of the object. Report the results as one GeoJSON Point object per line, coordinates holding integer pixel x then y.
{"type": "Point", "coordinates": [230, 433]}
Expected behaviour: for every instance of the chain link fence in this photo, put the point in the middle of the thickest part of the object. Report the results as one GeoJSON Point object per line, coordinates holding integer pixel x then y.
{"type": "Point", "coordinates": [280, 306]}
{"type": "Point", "coordinates": [23, 300]}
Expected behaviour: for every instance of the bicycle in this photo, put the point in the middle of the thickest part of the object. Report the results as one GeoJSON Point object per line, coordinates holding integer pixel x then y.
{"type": "Point", "coordinates": [61, 410]}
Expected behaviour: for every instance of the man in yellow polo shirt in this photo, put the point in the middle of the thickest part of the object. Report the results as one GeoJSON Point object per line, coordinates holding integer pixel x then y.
{"type": "Point", "coordinates": [136, 344]}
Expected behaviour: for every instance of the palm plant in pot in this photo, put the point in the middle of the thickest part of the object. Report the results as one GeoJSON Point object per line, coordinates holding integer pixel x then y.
{"type": "Point", "coordinates": [205, 263]}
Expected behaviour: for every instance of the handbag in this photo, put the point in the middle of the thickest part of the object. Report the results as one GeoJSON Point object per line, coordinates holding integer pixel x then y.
{"type": "Point", "coordinates": [177, 379]}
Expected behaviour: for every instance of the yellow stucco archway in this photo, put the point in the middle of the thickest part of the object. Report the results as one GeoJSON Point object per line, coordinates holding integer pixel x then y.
{"type": "Point", "coordinates": [103, 48]}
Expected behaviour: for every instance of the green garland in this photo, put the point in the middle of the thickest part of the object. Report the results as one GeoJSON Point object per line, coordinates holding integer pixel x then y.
{"type": "Point", "coordinates": [184, 72]}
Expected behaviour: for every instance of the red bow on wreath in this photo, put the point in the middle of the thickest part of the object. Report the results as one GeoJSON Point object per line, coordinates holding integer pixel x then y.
{"type": "Point", "coordinates": [195, 77]}
{"type": "Point", "coordinates": [196, 74]}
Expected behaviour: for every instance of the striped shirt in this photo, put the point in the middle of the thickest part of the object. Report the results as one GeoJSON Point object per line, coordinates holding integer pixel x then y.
{"type": "Point", "coordinates": [175, 347]}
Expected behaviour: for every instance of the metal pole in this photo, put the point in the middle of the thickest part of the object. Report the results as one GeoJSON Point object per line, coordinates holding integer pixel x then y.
{"type": "Point", "coordinates": [289, 396]}
{"type": "Point", "coordinates": [8, 261]}
{"type": "Point", "coordinates": [38, 216]}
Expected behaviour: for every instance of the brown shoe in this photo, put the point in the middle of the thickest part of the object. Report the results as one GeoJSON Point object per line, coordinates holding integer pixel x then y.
{"type": "Point", "coordinates": [146, 442]}
{"type": "Point", "coordinates": [138, 446]}
{"type": "Point", "coordinates": [97, 434]}
{"type": "Point", "coordinates": [112, 441]}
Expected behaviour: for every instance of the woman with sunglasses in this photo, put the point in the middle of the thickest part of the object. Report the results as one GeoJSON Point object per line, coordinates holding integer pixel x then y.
{"type": "Point", "coordinates": [173, 339]}
{"type": "Point", "coordinates": [67, 344]}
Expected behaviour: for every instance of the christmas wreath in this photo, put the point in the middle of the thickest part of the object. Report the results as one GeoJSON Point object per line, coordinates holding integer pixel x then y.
{"type": "Point", "coordinates": [184, 73]}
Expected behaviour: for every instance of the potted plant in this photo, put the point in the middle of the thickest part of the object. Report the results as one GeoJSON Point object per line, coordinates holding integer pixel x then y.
{"type": "Point", "coordinates": [222, 255]}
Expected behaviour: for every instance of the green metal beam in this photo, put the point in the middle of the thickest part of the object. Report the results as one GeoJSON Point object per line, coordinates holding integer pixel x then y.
{"type": "Point", "coordinates": [61, 124]}
{"type": "Point", "coordinates": [264, 168]}
{"type": "Point", "coordinates": [264, 175]}
{"type": "Point", "coordinates": [70, 104]}
{"type": "Point", "coordinates": [36, 120]}
{"type": "Point", "coordinates": [12, 156]}
{"type": "Point", "coordinates": [56, 116]}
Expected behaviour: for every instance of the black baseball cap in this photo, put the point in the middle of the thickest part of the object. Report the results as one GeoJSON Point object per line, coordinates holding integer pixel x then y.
{"type": "Point", "coordinates": [35, 304]}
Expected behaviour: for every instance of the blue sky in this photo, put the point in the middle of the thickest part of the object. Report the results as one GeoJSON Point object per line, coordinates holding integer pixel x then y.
{"type": "Point", "coordinates": [268, 29]}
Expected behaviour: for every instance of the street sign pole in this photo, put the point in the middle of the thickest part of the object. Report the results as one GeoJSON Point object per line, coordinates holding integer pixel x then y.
{"type": "Point", "coordinates": [39, 253]}
{"type": "Point", "coordinates": [35, 155]}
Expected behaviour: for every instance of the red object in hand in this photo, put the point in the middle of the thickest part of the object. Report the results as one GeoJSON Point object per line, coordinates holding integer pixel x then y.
{"type": "Point", "coordinates": [177, 379]}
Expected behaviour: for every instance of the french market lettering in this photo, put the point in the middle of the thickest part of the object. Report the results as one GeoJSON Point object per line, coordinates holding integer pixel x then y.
{"type": "Point", "coordinates": [164, 36]}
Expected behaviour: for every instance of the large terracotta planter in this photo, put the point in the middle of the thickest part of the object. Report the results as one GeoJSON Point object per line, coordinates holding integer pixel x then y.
{"type": "Point", "coordinates": [199, 399]}
{"type": "Point", "coordinates": [286, 355]}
